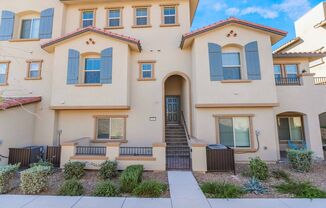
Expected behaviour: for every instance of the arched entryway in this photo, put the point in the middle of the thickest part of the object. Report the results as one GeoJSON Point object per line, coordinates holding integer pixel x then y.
{"type": "Point", "coordinates": [177, 120]}
{"type": "Point", "coordinates": [322, 122]}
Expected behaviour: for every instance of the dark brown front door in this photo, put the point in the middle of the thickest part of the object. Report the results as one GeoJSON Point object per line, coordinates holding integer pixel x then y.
{"type": "Point", "coordinates": [172, 109]}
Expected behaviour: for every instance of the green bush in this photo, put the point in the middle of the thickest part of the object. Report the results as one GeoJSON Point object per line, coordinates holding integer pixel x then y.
{"type": "Point", "coordinates": [7, 172]}
{"type": "Point", "coordinates": [74, 170]}
{"type": "Point", "coordinates": [71, 187]}
{"type": "Point", "coordinates": [221, 190]}
{"type": "Point", "coordinates": [108, 170]}
{"type": "Point", "coordinates": [300, 160]}
{"type": "Point", "coordinates": [150, 189]}
{"type": "Point", "coordinates": [131, 177]}
{"type": "Point", "coordinates": [106, 189]}
{"type": "Point", "coordinates": [42, 163]}
{"type": "Point", "coordinates": [258, 169]}
{"type": "Point", "coordinates": [280, 174]}
{"type": "Point", "coordinates": [35, 179]}
{"type": "Point", "coordinates": [253, 185]}
{"type": "Point", "coordinates": [301, 190]}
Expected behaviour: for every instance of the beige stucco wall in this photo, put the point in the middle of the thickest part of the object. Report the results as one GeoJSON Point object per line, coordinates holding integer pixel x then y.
{"type": "Point", "coordinates": [16, 128]}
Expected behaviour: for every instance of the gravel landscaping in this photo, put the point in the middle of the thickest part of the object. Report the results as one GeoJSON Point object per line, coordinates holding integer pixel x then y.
{"type": "Point", "coordinates": [89, 181]}
{"type": "Point", "coordinates": [317, 176]}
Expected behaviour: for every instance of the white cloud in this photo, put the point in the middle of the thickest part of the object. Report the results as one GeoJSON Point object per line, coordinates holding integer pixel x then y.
{"type": "Point", "coordinates": [232, 11]}
{"type": "Point", "coordinates": [293, 8]}
{"type": "Point", "coordinates": [265, 13]}
{"type": "Point", "coordinates": [220, 6]}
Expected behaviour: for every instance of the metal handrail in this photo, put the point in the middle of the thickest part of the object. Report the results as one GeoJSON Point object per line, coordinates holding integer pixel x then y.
{"type": "Point", "coordinates": [288, 81]}
{"type": "Point", "coordinates": [183, 120]}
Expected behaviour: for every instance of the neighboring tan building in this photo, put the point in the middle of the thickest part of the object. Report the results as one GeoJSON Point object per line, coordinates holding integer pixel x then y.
{"type": "Point", "coordinates": [127, 81]}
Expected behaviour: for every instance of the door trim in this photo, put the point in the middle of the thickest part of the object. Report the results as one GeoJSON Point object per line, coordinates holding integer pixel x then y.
{"type": "Point", "coordinates": [179, 107]}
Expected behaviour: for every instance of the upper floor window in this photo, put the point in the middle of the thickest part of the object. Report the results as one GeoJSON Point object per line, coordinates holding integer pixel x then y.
{"type": "Point", "coordinates": [4, 69]}
{"type": "Point", "coordinates": [34, 69]}
{"type": "Point", "coordinates": [146, 70]}
{"type": "Point", "coordinates": [231, 66]}
{"type": "Point", "coordinates": [114, 18]}
{"type": "Point", "coordinates": [277, 71]}
{"type": "Point", "coordinates": [30, 28]}
{"type": "Point", "coordinates": [92, 70]}
{"type": "Point", "coordinates": [87, 18]}
{"type": "Point", "coordinates": [288, 71]}
{"type": "Point", "coordinates": [170, 15]}
{"type": "Point", "coordinates": [142, 16]}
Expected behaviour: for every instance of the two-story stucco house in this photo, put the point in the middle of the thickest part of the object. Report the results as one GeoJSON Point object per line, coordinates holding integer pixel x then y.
{"type": "Point", "coordinates": [128, 81]}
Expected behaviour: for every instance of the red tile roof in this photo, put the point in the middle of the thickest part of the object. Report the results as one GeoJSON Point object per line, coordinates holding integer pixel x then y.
{"type": "Point", "coordinates": [18, 101]}
{"type": "Point", "coordinates": [96, 30]}
{"type": "Point", "coordinates": [287, 44]}
{"type": "Point", "coordinates": [229, 21]}
{"type": "Point", "coordinates": [299, 54]}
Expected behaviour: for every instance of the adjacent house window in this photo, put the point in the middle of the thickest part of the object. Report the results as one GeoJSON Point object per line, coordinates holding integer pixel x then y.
{"type": "Point", "coordinates": [289, 71]}
{"type": "Point", "coordinates": [110, 127]}
{"type": "Point", "coordinates": [169, 15]}
{"type": "Point", "coordinates": [30, 28]}
{"type": "Point", "coordinates": [92, 70]}
{"type": "Point", "coordinates": [146, 70]}
{"type": "Point", "coordinates": [4, 69]}
{"type": "Point", "coordinates": [34, 69]}
{"type": "Point", "coordinates": [234, 131]}
{"type": "Point", "coordinates": [114, 18]}
{"type": "Point", "coordinates": [142, 16]}
{"type": "Point", "coordinates": [231, 66]}
{"type": "Point", "coordinates": [290, 128]}
{"type": "Point", "coordinates": [87, 18]}
{"type": "Point", "coordinates": [278, 71]}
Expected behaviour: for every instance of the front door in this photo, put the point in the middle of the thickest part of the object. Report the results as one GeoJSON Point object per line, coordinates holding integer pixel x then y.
{"type": "Point", "coordinates": [172, 109]}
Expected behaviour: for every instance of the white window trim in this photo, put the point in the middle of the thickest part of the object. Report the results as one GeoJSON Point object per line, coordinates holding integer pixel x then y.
{"type": "Point", "coordinates": [31, 29]}
{"type": "Point", "coordinates": [114, 18]}
{"type": "Point", "coordinates": [142, 16]}
{"type": "Point", "coordinates": [122, 117]}
{"type": "Point", "coordinates": [170, 15]}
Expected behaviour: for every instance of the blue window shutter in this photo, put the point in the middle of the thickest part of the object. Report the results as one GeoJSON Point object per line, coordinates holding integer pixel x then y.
{"type": "Point", "coordinates": [7, 25]}
{"type": "Point", "coordinates": [106, 66]}
{"type": "Point", "coordinates": [46, 23]}
{"type": "Point", "coordinates": [252, 59]}
{"type": "Point", "coordinates": [215, 62]}
{"type": "Point", "coordinates": [73, 67]}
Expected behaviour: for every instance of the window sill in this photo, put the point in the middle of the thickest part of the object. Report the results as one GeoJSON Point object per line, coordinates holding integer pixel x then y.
{"type": "Point", "coordinates": [24, 40]}
{"type": "Point", "coordinates": [244, 150]}
{"type": "Point", "coordinates": [236, 81]}
{"type": "Point", "coordinates": [141, 26]}
{"type": "Point", "coordinates": [33, 78]}
{"type": "Point", "coordinates": [88, 85]}
{"type": "Point", "coordinates": [151, 79]}
{"type": "Point", "coordinates": [113, 28]}
{"type": "Point", "coordinates": [170, 25]}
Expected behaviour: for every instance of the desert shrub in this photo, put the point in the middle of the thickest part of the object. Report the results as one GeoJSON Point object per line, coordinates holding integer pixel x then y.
{"type": "Point", "coordinates": [258, 169]}
{"type": "Point", "coordinates": [42, 163]}
{"type": "Point", "coordinates": [300, 190]}
{"type": "Point", "coordinates": [74, 170]}
{"type": "Point", "coordinates": [280, 174]}
{"type": "Point", "coordinates": [150, 189]}
{"type": "Point", "coordinates": [131, 177]}
{"type": "Point", "coordinates": [108, 169]}
{"type": "Point", "coordinates": [300, 160]}
{"type": "Point", "coordinates": [106, 189]}
{"type": "Point", "coordinates": [7, 172]}
{"type": "Point", "coordinates": [221, 190]}
{"type": "Point", "coordinates": [35, 179]}
{"type": "Point", "coordinates": [71, 187]}
{"type": "Point", "coordinates": [253, 185]}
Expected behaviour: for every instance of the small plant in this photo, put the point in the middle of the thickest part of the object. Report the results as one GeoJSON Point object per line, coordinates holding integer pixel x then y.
{"type": "Point", "coordinates": [7, 172]}
{"type": "Point", "coordinates": [258, 169]}
{"type": "Point", "coordinates": [35, 179]}
{"type": "Point", "coordinates": [130, 178]}
{"type": "Point", "coordinates": [106, 189]}
{"type": "Point", "coordinates": [280, 174]}
{"type": "Point", "coordinates": [221, 190]}
{"type": "Point", "coordinates": [71, 187]}
{"type": "Point", "coordinates": [74, 170]}
{"type": "Point", "coordinates": [108, 170]}
{"type": "Point", "coordinates": [150, 189]}
{"type": "Point", "coordinates": [42, 162]}
{"type": "Point", "coordinates": [300, 160]}
{"type": "Point", "coordinates": [301, 190]}
{"type": "Point", "coordinates": [254, 186]}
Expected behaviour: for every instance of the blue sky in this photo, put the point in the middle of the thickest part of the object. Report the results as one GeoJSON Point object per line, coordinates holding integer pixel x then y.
{"type": "Point", "coordinates": [280, 14]}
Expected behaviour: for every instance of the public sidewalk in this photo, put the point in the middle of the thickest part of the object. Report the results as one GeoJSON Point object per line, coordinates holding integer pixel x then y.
{"type": "Point", "coordinates": [184, 190]}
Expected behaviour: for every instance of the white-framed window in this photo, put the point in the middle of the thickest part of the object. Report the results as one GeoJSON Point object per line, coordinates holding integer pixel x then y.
{"type": "Point", "coordinates": [234, 131]}
{"type": "Point", "coordinates": [88, 17]}
{"type": "Point", "coordinates": [30, 28]}
{"type": "Point", "coordinates": [110, 128]}
{"type": "Point", "coordinates": [141, 16]}
{"type": "Point", "coordinates": [114, 17]}
{"type": "Point", "coordinates": [92, 70]}
{"type": "Point", "coordinates": [146, 70]}
{"type": "Point", "coordinates": [4, 68]}
{"type": "Point", "coordinates": [290, 128]}
{"type": "Point", "coordinates": [34, 70]}
{"type": "Point", "coordinates": [291, 71]}
{"type": "Point", "coordinates": [169, 15]}
{"type": "Point", "coordinates": [231, 66]}
{"type": "Point", "coordinates": [277, 71]}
